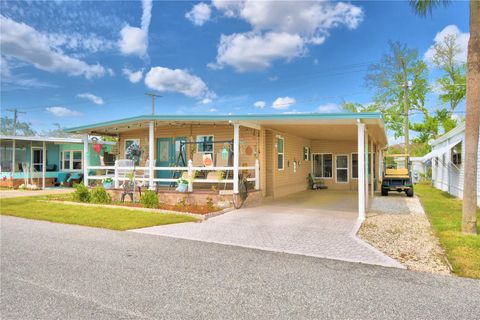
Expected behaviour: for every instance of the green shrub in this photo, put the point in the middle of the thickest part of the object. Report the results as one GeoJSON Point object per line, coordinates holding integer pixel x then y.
{"type": "Point", "coordinates": [100, 195]}
{"type": "Point", "coordinates": [149, 199]}
{"type": "Point", "coordinates": [81, 193]}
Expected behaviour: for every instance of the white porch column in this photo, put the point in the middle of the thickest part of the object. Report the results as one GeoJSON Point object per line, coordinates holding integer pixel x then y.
{"type": "Point", "coordinates": [372, 170]}
{"type": "Point", "coordinates": [257, 175]}
{"type": "Point", "coordinates": [151, 154]}
{"type": "Point", "coordinates": [366, 170]}
{"type": "Point", "coordinates": [236, 155]}
{"type": "Point", "coordinates": [14, 146]}
{"type": "Point", "coordinates": [85, 160]}
{"type": "Point", "coordinates": [44, 164]}
{"type": "Point", "coordinates": [380, 165]}
{"type": "Point", "coordinates": [361, 170]}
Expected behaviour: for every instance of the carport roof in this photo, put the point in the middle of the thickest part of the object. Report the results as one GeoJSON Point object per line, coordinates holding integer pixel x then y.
{"type": "Point", "coordinates": [271, 120]}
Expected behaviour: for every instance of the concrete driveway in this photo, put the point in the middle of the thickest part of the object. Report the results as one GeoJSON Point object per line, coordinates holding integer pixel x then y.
{"type": "Point", "coordinates": [314, 223]}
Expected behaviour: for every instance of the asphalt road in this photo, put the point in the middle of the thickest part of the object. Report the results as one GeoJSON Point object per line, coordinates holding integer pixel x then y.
{"type": "Point", "coordinates": [55, 271]}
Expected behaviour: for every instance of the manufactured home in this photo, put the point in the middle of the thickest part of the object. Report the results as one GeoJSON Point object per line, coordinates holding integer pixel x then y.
{"type": "Point", "coordinates": [447, 161]}
{"type": "Point", "coordinates": [49, 161]}
{"type": "Point", "coordinates": [279, 154]}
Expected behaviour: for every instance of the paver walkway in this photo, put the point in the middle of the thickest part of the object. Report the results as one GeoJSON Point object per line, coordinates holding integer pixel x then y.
{"type": "Point", "coordinates": [292, 225]}
{"type": "Point", "coordinates": [30, 193]}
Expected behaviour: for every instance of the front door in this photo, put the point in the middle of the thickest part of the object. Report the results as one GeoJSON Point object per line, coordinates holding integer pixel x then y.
{"type": "Point", "coordinates": [165, 156]}
{"type": "Point", "coordinates": [37, 159]}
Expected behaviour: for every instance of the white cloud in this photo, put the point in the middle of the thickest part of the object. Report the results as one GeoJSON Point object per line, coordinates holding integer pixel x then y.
{"type": "Point", "coordinates": [62, 112]}
{"type": "Point", "coordinates": [77, 41]}
{"type": "Point", "coordinates": [280, 29]}
{"type": "Point", "coordinates": [273, 78]}
{"type": "Point", "coordinates": [212, 110]}
{"type": "Point", "coordinates": [311, 19]}
{"type": "Point", "coordinates": [199, 14]}
{"type": "Point", "coordinates": [90, 96]}
{"type": "Point", "coordinates": [177, 80]}
{"type": "Point", "coordinates": [206, 101]}
{"type": "Point", "coordinates": [26, 44]}
{"type": "Point", "coordinates": [133, 40]}
{"type": "Point", "coordinates": [260, 104]}
{"type": "Point", "coordinates": [251, 51]}
{"type": "Point", "coordinates": [329, 108]}
{"type": "Point", "coordinates": [282, 103]}
{"type": "Point", "coordinates": [462, 43]}
{"type": "Point", "coordinates": [133, 76]}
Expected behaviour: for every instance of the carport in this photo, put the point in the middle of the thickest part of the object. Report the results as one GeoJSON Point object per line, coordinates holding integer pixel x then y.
{"type": "Point", "coordinates": [319, 223]}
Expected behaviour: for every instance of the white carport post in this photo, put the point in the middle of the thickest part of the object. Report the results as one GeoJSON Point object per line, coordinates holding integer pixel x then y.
{"type": "Point", "coordinates": [361, 170]}
{"type": "Point", "coordinates": [366, 169]}
{"type": "Point", "coordinates": [85, 160]}
{"type": "Point", "coordinates": [151, 162]}
{"type": "Point", "coordinates": [44, 164]}
{"type": "Point", "coordinates": [14, 147]}
{"type": "Point", "coordinates": [372, 169]}
{"type": "Point", "coordinates": [236, 156]}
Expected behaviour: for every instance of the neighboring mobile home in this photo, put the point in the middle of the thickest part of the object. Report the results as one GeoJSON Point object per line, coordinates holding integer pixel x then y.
{"type": "Point", "coordinates": [447, 157]}
{"type": "Point", "coordinates": [278, 152]}
{"type": "Point", "coordinates": [62, 156]}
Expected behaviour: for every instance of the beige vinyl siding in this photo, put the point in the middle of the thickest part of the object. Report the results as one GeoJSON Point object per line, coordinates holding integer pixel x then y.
{"type": "Point", "coordinates": [287, 181]}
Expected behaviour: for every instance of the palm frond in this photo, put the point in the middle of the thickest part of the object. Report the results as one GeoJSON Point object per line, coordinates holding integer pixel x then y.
{"type": "Point", "coordinates": [422, 7]}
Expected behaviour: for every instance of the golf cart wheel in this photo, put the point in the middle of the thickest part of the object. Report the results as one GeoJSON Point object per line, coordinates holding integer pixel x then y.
{"type": "Point", "coordinates": [409, 192]}
{"type": "Point", "coordinates": [384, 192]}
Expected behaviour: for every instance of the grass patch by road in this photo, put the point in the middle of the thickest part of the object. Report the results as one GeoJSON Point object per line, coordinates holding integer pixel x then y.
{"type": "Point", "coordinates": [115, 219]}
{"type": "Point", "coordinates": [445, 215]}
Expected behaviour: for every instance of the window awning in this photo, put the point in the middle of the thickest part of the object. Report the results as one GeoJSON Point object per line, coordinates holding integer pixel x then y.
{"type": "Point", "coordinates": [439, 152]}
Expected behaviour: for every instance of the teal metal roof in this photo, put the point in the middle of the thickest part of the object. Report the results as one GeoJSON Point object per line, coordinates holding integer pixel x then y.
{"type": "Point", "coordinates": [247, 117]}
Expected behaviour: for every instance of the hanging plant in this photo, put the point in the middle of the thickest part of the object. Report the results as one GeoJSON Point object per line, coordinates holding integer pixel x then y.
{"type": "Point", "coordinates": [133, 152]}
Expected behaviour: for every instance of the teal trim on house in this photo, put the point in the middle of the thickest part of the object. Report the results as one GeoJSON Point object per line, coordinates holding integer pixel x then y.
{"type": "Point", "coordinates": [249, 117]}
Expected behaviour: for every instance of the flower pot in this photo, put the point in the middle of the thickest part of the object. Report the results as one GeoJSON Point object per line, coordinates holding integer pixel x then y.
{"type": "Point", "coordinates": [182, 187]}
{"type": "Point", "coordinates": [107, 185]}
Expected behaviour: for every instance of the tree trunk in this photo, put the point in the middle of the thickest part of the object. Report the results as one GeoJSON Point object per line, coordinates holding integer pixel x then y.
{"type": "Point", "coordinates": [472, 123]}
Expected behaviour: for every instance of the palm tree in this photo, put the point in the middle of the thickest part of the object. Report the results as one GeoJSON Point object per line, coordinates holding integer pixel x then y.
{"type": "Point", "coordinates": [472, 119]}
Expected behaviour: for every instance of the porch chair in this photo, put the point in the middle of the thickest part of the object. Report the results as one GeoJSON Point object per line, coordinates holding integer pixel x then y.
{"type": "Point", "coordinates": [123, 174]}
{"type": "Point", "coordinates": [315, 183]}
{"type": "Point", "coordinates": [61, 179]}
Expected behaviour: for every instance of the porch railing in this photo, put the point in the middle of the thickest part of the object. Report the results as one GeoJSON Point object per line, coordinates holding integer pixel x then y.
{"type": "Point", "coordinates": [189, 169]}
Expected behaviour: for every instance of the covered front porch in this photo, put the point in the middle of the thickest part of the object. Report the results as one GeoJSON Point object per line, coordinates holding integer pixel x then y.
{"type": "Point", "coordinates": [275, 154]}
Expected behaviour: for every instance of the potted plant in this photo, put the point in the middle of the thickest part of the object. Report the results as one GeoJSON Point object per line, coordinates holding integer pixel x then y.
{"type": "Point", "coordinates": [182, 185]}
{"type": "Point", "coordinates": [107, 183]}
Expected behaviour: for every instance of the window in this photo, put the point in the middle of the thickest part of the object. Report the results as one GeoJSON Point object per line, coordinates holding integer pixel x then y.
{"type": "Point", "coordinates": [322, 165]}
{"type": "Point", "coordinates": [37, 157]}
{"type": "Point", "coordinates": [280, 153]}
{"type": "Point", "coordinates": [354, 166]}
{"type": "Point", "coordinates": [457, 154]}
{"type": "Point", "coordinates": [71, 160]}
{"type": "Point", "coordinates": [306, 153]}
{"type": "Point", "coordinates": [341, 168]}
{"type": "Point", "coordinates": [205, 144]}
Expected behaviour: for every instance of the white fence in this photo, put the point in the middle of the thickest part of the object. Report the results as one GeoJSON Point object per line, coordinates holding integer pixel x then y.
{"type": "Point", "coordinates": [141, 174]}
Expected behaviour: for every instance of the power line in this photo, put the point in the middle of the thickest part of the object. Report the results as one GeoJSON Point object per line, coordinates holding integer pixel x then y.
{"type": "Point", "coordinates": [153, 95]}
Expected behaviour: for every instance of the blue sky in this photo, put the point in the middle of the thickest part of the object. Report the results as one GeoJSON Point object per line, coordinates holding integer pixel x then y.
{"type": "Point", "coordinates": [75, 63]}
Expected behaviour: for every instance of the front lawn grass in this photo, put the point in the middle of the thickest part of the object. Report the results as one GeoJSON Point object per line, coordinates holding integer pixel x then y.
{"type": "Point", "coordinates": [445, 215]}
{"type": "Point", "coordinates": [109, 218]}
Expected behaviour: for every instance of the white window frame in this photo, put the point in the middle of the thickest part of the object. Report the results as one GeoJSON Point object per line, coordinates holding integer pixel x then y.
{"type": "Point", "coordinates": [313, 162]}
{"type": "Point", "coordinates": [70, 161]}
{"type": "Point", "coordinates": [306, 153]}
{"type": "Point", "coordinates": [134, 140]}
{"type": "Point", "coordinates": [213, 144]}
{"type": "Point", "coordinates": [342, 168]}
{"type": "Point", "coordinates": [281, 153]}
{"type": "Point", "coordinates": [33, 164]}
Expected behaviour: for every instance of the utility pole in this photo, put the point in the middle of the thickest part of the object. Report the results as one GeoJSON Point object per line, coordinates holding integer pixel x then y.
{"type": "Point", "coordinates": [153, 95]}
{"type": "Point", "coordinates": [15, 118]}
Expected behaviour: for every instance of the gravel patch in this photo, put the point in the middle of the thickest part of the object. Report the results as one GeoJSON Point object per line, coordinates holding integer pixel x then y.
{"type": "Point", "coordinates": [399, 228]}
